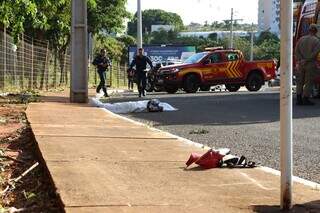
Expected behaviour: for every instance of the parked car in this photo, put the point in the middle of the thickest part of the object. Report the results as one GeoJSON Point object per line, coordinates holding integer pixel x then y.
{"type": "Point", "coordinates": [276, 81]}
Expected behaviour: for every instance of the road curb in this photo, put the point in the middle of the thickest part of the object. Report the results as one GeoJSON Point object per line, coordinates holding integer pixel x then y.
{"type": "Point", "coordinates": [186, 141]}
{"type": "Point", "coordinates": [311, 184]}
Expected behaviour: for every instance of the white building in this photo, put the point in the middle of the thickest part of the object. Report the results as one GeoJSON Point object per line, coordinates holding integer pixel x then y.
{"type": "Point", "coordinates": [269, 16]}
{"type": "Point", "coordinates": [219, 34]}
{"type": "Point", "coordinates": [156, 28]}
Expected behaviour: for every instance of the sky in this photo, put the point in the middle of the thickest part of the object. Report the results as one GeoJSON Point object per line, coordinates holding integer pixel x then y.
{"type": "Point", "coordinates": [200, 11]}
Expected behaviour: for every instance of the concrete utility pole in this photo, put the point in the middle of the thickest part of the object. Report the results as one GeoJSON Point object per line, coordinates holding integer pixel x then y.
{"type": "Point", "coordinates": [139, 25]}
{"type": "Point", "coordinates": [251, 46]}
{"type": "Point", "coordinates": [286, 10]}
{"type": "Point", "coordinates": [79, 53]}
{"type": "Point", "coordinates": [231, 29]}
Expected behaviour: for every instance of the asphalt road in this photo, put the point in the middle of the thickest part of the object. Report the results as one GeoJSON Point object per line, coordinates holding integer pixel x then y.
{"type": "Point", "coordinates": [247, 123]}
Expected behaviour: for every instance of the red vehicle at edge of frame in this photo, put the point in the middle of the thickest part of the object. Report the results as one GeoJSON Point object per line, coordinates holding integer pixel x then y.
{"type": "Point", "coordinates": [305, 14]}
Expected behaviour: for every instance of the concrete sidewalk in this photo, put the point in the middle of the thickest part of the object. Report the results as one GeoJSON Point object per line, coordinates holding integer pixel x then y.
{"type": "Point", "coordinates": [100, 162]}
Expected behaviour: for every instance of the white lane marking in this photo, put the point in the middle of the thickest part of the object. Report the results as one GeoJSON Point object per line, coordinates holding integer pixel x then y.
{"type": "Point", "coordinates": [230, 184]}
{"type": "Point", "coordinates": [255, 182]}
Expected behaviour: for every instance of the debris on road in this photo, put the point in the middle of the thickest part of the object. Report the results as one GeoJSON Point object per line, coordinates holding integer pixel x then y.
{"type": "Point", "coordinates": [132, 106]}
{"type": "Point", "coordinates": [219, 158]}
{"type": "Point", "coordinates": [25, 173]}
{"type": "Point", "coordinates": [233, 161]}
{"type": "Point", "coordinates": [12, 182]}
{"type": "Point", "coordinates": [199, 132]}
{"type": "Point", "coordinates": [211, 159]}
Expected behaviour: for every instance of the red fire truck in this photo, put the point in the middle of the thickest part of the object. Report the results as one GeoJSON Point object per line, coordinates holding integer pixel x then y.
{"type": "Point", "coordinates": [216, 66]}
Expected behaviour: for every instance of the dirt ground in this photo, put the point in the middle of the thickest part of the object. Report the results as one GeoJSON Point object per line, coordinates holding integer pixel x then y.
{"type": "Point", "coordinates": [34, 192]}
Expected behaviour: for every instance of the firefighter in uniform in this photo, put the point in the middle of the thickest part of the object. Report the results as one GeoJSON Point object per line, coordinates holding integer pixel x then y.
{"type": "Point", "coordinates": [306, 52]}
{"type": "Point", "coordinates": [140, 61]}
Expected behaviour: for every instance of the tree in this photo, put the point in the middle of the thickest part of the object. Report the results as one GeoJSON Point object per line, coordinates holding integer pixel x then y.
{"type": "Point", "coordinates": [172, 35]}
{"type": "Point", "coordinates": [127, 41]}
{"type": "Point", "coordinates": [155, 17]}
{"type": "Point", "coordinates": [266, 35]}
{"type": "Point", "coordinates": [268, 49]}
{"type": "Point", "coordinates": [59, 33]}
{"type": "Point", "coordinates": [193, 26]}
{"type": "Point", "coordinates": [107, 15]}
{"type": "Point", "coordinates": [227, 25]}
{"type": "Point", "coordinates": [160, 37]}
{"type": "Point", "coordinates": [243, 44]}
{"type": "Point", "coordinates": [51, 20]}
{"type": "Point", "coordinates": [103, 16]}
{"type": "Point", "coordinates": [112, 45]}
{"type": "Point", "coordinates": [13, 14]}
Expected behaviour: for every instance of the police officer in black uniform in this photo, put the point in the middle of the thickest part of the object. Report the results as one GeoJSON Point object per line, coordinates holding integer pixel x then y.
{"type": "Point", "coordinates": [140, 61]}
{"type": "Point", "coordinates": [103, 63]}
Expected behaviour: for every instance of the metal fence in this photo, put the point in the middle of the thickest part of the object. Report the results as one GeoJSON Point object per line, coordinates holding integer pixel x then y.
{"type": "Point", "coordinates": [116, 76]}
{"type": "Point", "coordinates": [30, 64]}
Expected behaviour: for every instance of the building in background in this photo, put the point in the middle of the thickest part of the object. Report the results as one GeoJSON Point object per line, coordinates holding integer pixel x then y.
{"type": "Point", "coordinates": [157, 28]}
{"type": "Point", "coordinates": [269, 16]}
{"type": "Point", "coordinates": [215, 34]}
{"type": "Point", "coordinates": [164, 53]}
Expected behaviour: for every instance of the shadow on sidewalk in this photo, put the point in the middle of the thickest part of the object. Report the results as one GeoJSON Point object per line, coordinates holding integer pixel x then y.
{"type": "Point", "coordinates": [55, 99]}
{"type": "Point", "coordinates": [199, 168]}
{"type": "Point", "coordinates": [310, 207]}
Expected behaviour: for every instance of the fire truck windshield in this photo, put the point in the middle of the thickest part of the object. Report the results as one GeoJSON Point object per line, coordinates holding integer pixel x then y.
{"type": "Point", "coordinates": [196, 58]}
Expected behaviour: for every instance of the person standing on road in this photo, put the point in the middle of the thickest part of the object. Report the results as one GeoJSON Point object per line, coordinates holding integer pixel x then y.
{"type": "Point", "coordinates": [103, 63]}
{"type": "Point", "coordinates": [307, 50]}
{"type": "Point", "coordinates": [140, 61]}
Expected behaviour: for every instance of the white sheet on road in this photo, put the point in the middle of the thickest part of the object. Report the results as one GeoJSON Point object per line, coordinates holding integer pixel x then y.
{"type": "Point", "coordinates": [128, 107]}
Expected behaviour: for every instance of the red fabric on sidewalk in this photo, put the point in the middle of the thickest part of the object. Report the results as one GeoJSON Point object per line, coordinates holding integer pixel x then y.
{"type": "Point", "coordinates": [209, 160]}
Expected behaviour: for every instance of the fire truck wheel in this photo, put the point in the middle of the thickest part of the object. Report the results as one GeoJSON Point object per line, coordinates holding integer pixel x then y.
{"type": "Point", "coordinates": [254, 82]}
{"type": "Point", "coordinates": [232, 87]}
{"type": "Point", "coordinates": [191, 83]}
{"type": "Point", "coordinates": [171, 90]}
